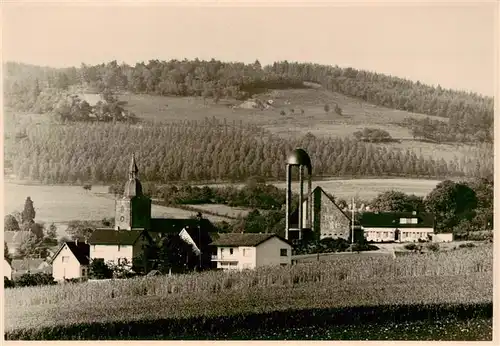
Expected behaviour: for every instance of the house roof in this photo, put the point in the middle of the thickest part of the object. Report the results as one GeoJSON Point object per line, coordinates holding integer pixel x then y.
{"type": "Point", "coordinates": [244, 239]}
{"type": "Point", "coordinates": [391, 219]}
{"type": "Point", "coordinates": [80, 250]}
{"type": "Point", "coordinates": [26, 264]}
{"type": "Point", "coordinates": [110, 236]}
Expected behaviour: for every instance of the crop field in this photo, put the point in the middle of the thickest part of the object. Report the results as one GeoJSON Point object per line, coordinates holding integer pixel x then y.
{"type": "Point", "coordinates": [60, 203]}
{"type": "Point", "coordinates": [449, 289]}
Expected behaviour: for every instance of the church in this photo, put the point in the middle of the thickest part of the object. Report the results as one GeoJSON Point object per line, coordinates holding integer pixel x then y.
{"type": "Point", "coordinates": [135, 229]}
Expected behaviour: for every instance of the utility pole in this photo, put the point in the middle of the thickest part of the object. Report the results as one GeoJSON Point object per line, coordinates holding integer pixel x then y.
{"type": "Point", "coordinates": [352, 223]}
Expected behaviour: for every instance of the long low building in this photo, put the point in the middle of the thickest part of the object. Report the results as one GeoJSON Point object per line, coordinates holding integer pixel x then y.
{"type": "Point", "coordinates": [397, 226]}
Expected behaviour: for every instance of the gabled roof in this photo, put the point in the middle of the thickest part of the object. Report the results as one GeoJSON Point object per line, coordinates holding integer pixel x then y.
{"type": "Point", "coordinates": [294, 218]}
{"type": "Point", "coordinates": [244, 239]}
{"type": "Point", "coordinates": [110, 236]}
{"type": "Point", "coordinates": [391, 219]}
{"type": "Point", "coordinates": [26, 264]}
{"type": "Point", "coordinates": [80, 250]}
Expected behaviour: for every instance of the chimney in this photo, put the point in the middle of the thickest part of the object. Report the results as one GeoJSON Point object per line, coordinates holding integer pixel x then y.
{"type": "Point", "coordinates": [414, 212]}
{"type": "Point", "coordinates": [76, 241]}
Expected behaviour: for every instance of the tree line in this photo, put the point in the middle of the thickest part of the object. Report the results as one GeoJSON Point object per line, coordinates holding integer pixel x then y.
{"type": "Point", "coordinates": [209, 150]}
{"type": "Point", "coordinates": [470, 115]}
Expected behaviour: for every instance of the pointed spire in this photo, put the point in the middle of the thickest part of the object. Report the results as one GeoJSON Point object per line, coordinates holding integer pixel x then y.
{"type": "Point", "coordinates": [133, 170]}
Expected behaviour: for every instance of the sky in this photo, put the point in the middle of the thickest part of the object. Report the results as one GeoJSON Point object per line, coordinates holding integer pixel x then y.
{"type": "Point", "coordinates": [448, 44]}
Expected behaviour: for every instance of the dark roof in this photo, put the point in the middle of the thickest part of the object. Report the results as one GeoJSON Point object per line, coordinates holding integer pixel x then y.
{"type": "Point", "coordinates": [299, 157]}
{"type": "Point", "coordinates": [244, 239]}
{"type": "Point", "coordinates": [80, 250]}
{"type": "Point", "coordinates": [391, 219]}
{"type": "Point", "coordinates": [177, 225]}
{"type": "Point", "coordinates": [110, 236]}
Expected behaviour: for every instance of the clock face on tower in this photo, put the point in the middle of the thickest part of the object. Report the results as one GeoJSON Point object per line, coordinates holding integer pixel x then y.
{"type": "Point", "coordinates": [122, 218]}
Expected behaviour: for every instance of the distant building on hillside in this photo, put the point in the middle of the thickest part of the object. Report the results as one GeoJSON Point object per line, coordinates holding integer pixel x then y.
{"type": "Point", "coordinates": [397, 226]}
{"type": "Point", "coordinates": [238, 251]}
{"type": "Point", "coordinates": [135, 228]}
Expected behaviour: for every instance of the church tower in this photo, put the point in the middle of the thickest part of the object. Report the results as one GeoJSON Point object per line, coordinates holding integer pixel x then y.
{"type": "Point", "coordinates": [133, 210]}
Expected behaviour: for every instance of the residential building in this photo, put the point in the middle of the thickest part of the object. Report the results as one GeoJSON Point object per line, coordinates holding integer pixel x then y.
{"type": "Point", "coordinates": [7, 269]}
{"type": "Point", "coordinates": [117, 245]}
{"type": "Point", "coordinates": [29, 266]}
{"type": "Point", "coordinates": [71, 261]}
{"type": "Point", "coordinates": [238, 251]}
{"type": "Point", "coordinates": [397, 226]}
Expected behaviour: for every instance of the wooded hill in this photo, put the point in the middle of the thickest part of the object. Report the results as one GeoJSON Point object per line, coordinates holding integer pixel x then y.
{"type": "Point", "coordinates": [466, 116]}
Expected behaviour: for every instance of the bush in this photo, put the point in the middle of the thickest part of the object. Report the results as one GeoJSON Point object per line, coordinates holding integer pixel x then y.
{"type": "Point", "coordinates": [38, 279]}
{"type": "Point", "coordinates": [411, 247]}
{"type": "Point", "coordinates": [7, 283]}
{"type": "Point", "coordinates": [434, 247]}
{"type": "Point", "coordinates": [466, 245]}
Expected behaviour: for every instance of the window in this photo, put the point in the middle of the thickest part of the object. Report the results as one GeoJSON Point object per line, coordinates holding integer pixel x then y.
{"type": "Point", "coordinates": [246, 252]}
{"type": "Point", "coordinates": [403, 221]}
{"type": "Point", "coordinates": [118, 247]}
{"type": "Point", "coordinates": [84, 272]}
{"type": "Point", "coordinates": [231, 251]}
{"type": "Point", "coordinates": [283, 252]}
{"type": "Point", "coordinates": [65, 259]}
{"type": "Point", "coordinates": [414, 221]}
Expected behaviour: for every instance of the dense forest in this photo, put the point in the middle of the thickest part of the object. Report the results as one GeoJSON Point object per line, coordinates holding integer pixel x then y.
{"type": "Point", "coordinates": [207, 150]}
{"type": "Point", "coordinates": [470, 116]}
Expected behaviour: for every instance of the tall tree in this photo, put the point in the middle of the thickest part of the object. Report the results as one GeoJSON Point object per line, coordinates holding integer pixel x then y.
{"type": "Point", "coordinates": [28, 214]}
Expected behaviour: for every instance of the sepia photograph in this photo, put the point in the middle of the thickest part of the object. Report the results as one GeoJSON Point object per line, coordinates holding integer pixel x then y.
{"type": "Point", "coordinates": [248, 170]}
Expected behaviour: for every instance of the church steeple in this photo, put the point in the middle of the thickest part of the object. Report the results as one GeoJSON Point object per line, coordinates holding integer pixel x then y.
{"type": "Point", "coordinates": [133, 186]}
{"type": "Point", "coordinates": [133, 170]}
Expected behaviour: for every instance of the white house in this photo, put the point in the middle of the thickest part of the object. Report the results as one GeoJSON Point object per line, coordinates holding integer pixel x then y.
{"type": "Point", "coordinates": [250, 250]}
{"type": "Point", "coordinates": [71, 261]}
{"type": "Point", "coordinates": [117, 245]}
{"type": "Point", "coordinates": [397, 226]}
{"type": "Point", "coordinates": [7, 269]}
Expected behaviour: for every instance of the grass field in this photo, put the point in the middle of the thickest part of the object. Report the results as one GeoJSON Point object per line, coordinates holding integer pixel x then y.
{"type": "Point", "coordinates": [364, 189]}
{"type": "Point", "coordinates": [61, 203]}
{"type": "Point", "coordinates": [356, 116]}
{"type": "Point", "coordinates": [396, 291]}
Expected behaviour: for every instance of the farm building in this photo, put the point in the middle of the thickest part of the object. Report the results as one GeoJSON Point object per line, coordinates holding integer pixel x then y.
{"type": "Point", "coordinates": [7, 269]}
{"type": "Point", "coordinates": [238, 251]}
{"type": "Point", "coordinates": [29, 266]}
{"type": "Point", "coordinates": [134, 227]}
{"type": "Point", "coordinates": [71, 261]}
{"type": "Point", "coordinates": [397, 227]}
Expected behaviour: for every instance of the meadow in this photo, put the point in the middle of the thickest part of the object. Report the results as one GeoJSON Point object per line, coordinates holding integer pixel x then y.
{"type": "Point", "coordinates": [403, 292]}
{"type": "Point", "coordinates": [364, 189]}
{"type": "Point", "coordinates": [62, 203]}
